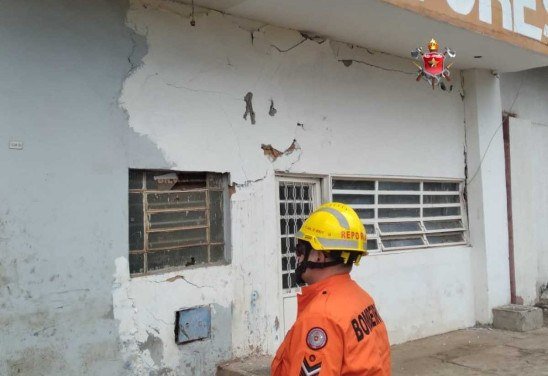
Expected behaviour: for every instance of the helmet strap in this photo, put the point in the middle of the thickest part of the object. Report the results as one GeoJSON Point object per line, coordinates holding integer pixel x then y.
{"type": "Point", "coordinates": [322, 265]}
{"type": "Point", "coordinates": [301, 268]}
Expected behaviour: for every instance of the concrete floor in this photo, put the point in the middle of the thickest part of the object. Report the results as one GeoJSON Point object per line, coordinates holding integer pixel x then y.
{"type": "Point", "coordinates": [468, 352]}
{"type": "Point", "coordinates": [475, 351]}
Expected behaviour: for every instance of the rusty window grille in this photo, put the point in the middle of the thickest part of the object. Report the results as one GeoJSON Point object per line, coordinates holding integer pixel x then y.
{"type": "Point", "coordinates": [176, 220]}
{"type": "Point", "coordinates": [297, 199]}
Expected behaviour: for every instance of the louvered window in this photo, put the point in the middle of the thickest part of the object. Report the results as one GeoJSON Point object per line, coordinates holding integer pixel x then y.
{"type": "Point", "coordinates": [405, 214]}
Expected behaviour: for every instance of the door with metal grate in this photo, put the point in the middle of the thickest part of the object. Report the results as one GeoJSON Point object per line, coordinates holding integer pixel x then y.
{"type": "Point", "coordinates": [297, 198]}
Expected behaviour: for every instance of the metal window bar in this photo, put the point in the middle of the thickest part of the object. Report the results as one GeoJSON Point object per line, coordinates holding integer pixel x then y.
{"type": "Point", "coordinates": [296, 202]}
{"type": "Point", "coordinates": [147, 212]}
{"type": "Point", "coordinates": [145, 224]}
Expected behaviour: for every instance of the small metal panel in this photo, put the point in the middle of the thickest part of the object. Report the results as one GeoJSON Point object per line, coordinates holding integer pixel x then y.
{"type": "Point", "coordinates": [192, 324]}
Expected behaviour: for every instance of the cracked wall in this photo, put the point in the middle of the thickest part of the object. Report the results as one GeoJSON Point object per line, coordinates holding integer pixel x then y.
{"type": "Point", "coordinates": [68, 304]}
{"type": "Point", "coordinates": [191, 87]}
{"type": "Point", "coordinates": [369, 117]}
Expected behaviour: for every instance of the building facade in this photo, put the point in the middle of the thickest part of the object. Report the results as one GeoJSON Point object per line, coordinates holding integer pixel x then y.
{"type": "Point", "coordinates": [159, 156]}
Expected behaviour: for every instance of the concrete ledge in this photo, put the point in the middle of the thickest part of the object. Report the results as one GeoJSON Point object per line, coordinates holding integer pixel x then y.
{"type": "Point", "coordinates": [256, 366]}
{"type": "Point", "coordinates": [517, 318]}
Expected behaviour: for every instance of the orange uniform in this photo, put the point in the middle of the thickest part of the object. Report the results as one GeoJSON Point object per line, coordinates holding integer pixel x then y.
{"type": "Point", "coordinates": [338, 332]}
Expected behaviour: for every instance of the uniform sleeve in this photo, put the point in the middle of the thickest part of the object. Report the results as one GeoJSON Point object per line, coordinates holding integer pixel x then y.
{"type": "Point", "coordinates": [315, 348]}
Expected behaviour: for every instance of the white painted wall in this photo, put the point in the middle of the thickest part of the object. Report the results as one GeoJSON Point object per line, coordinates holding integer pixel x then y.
{"type": "Point", "coordinates": [193, 81]}
{"type": "Point", "coordinates": [529, 152]}
{"type": "Point", "coordinates": [63, 213]}
{"type": "Point", "coordinates": [486, 192]}
{"type": "Point", "coordinates": [421, 293]}
{"type": "Point", "coordinates": [525, 94]}
{"type": "Point", "coordinates": [67, 304]}
{"type": "Point", "coordinates": [188, 99]}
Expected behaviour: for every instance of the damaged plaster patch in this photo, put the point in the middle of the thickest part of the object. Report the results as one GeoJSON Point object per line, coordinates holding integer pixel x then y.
{"type": "Point", "coordinates": [249, 107]}
{"type": "Point", "coordinates": [272, 153]}
{"type": "Point", "coordinates": [183, 90]}
{"type": "Point", "coordinates": [145, 309]}
{"type": "Point", "coordinates": [173, 104]}
{"type": "Point", "coordinates": [125, 312]}
{"type": "Point", "coordinates": [139, 49]}
{"type": "Point", "coordinates": [272, 110]}
{"type": "Point", "coordinates": [154, 346]}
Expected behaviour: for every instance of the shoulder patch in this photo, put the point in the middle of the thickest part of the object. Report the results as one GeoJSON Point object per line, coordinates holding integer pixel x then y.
{"type": "Point", "coordinates": [316, 338]}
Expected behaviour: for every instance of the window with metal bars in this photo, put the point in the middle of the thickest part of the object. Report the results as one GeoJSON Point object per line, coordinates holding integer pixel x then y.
{"type": "Point", "coordinates": [405, 214]}
{"type": "Point", "coordinates": [176, 220]}
{"type": "Point", "coordinates": [297, 199]}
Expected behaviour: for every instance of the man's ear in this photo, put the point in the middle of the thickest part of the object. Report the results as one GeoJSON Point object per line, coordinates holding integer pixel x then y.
{"type": "Point", "coordinates": [315, 256]}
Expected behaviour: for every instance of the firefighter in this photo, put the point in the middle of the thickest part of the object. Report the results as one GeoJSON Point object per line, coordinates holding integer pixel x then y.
{"type": "Point", "coordinates": [338, 330]}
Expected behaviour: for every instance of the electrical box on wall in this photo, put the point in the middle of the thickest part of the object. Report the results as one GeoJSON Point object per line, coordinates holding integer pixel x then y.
{"type": "Point", "coordinates": [192, 324]}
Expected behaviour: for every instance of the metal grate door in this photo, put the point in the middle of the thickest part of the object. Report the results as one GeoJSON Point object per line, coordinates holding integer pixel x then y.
{"type": "Point", "coordinates": [297, 199]}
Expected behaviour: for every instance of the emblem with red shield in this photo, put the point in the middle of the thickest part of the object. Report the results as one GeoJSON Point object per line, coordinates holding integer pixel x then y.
{"type": "Point", "coordinates": [433, 64]}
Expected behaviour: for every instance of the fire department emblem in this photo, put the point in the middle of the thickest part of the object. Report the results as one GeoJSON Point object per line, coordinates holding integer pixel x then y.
{"type": "Point", "coordinates": [433, 68]}
{"type": "Point", "coordinates": [316, 338]}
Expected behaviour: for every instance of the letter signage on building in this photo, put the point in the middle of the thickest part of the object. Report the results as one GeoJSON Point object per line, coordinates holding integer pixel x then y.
{"type": "Point", "coordinates": [521, 22]}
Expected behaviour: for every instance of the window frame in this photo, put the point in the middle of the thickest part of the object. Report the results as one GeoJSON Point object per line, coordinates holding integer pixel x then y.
{"type": "Point", "coordinates": [423, 233]}
{"type": "Point", "coordinates": [223, 179]}
{"type": "Point", "coordinates": [319, 198]}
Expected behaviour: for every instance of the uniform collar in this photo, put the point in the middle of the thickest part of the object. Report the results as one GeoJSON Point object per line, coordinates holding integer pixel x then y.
{"type": "Point", "coordinates": [309, 292]}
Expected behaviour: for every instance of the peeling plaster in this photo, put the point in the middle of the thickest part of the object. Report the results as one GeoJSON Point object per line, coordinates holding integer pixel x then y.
{"type": "Point", "coordinates": [272, 110]}
{"type": "Point", "coordinates": [249, 107]}
{"type": "Point", "coordinates": [176, 104]}
{"type": "Point", "coordinates": [145, 309]}
{"type": "Point", "coordinates": [222, 105]}
{"type": "Point", "coordinates": [274, 153]}
{"type": "Point", "coordinates": [187, 99]}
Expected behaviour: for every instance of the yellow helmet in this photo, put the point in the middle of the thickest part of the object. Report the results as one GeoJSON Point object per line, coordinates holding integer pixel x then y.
{"type": "Point", "coordinates": [335, 227]}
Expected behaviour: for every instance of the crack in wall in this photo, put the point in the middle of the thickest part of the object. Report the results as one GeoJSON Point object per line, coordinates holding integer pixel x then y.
{"type": "Point", "coordinates": [305, 36]}
{"type": "Point", "coordinates": [252, 27]}
{"type": "Point", "coordinates": [182, 277]}
{"type": "Point", "coordinates": [290, 48]}
{"type": "Point", "coordinates": [465, 152]}
{"type": "Point", "coordinates": [251, 31]}
{"type": "Point", "coordinates": [201, 91]}
{"type": "Point", "coordinates": [247, 183]}
{"type": "Point", "coordinates": [295, 161]}
{"type": "Point", "coordinates": [349, 62]}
